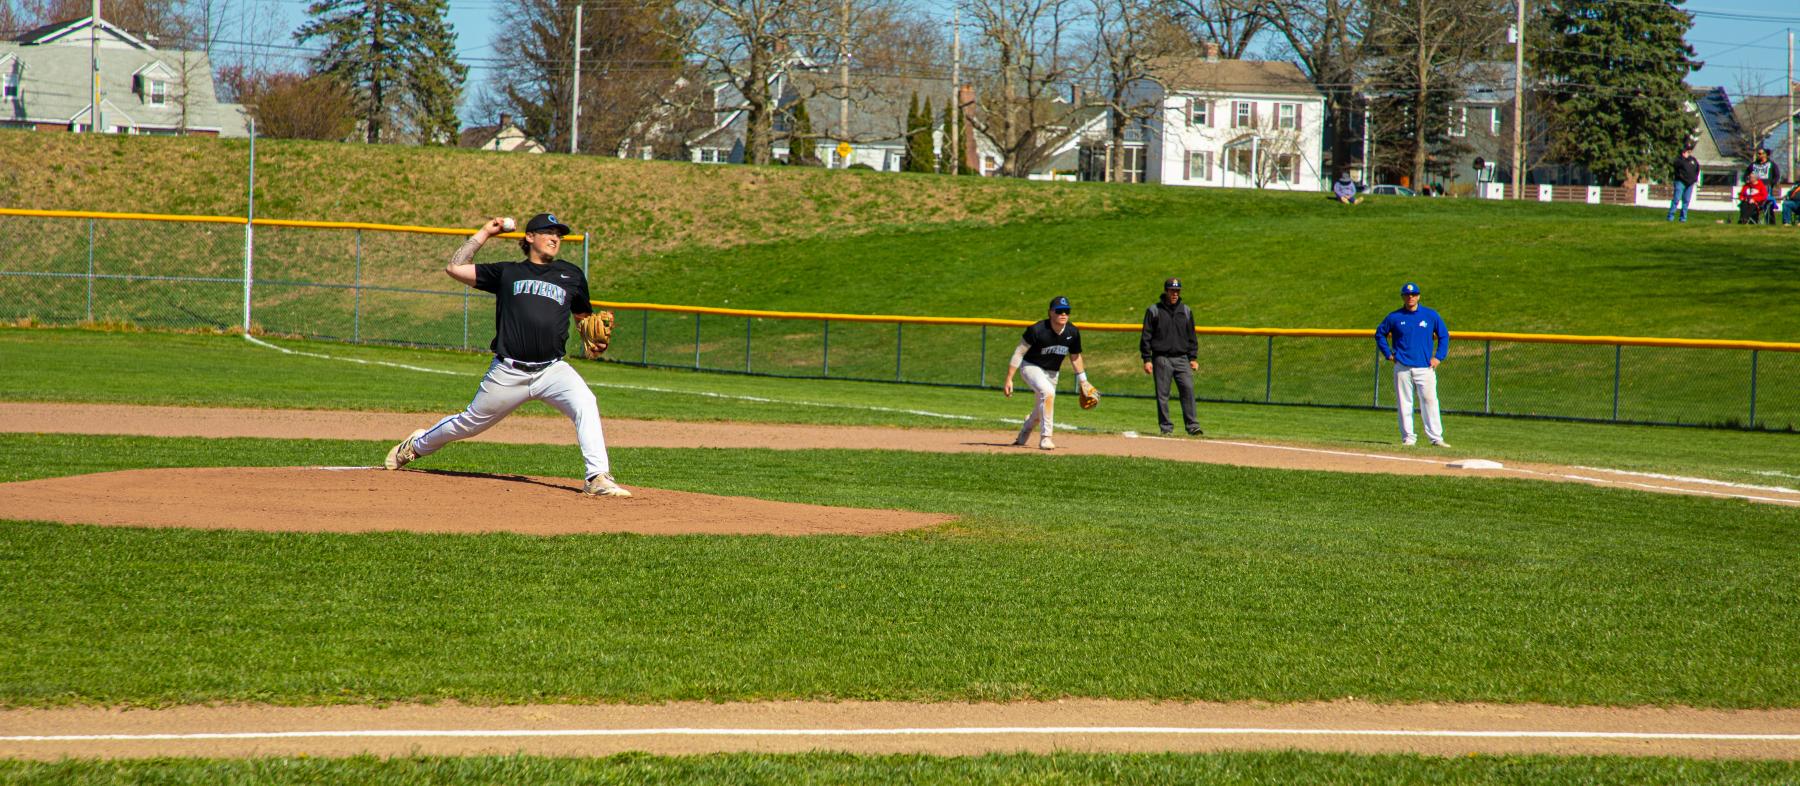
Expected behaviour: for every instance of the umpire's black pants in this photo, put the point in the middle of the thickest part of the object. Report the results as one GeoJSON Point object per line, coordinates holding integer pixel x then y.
{"type": "Point", "coordinates": [1174, 368]}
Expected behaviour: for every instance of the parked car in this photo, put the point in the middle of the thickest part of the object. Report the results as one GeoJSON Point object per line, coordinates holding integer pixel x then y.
{"type": "Point", "coordinates": [1392, 190]}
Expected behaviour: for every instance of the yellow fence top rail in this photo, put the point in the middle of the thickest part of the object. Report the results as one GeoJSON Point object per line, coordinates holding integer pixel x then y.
{"type": "Point", "coordinates": [1118, 327]}
{"type": "Point", "coordinates": [261, 222]}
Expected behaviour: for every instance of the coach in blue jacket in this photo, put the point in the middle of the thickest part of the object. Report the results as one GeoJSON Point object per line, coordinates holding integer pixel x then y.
{"type": "Point", "coordinates": [1406, 338]}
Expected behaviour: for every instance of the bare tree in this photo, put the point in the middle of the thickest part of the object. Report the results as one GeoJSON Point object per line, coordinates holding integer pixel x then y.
{"type": "Point", "coordinates": [1026, 66]}
{"type": "Point", "coordinates": [1429, 52]}
{"type": "Point", "coordinates": [1231, 25]}
{"type": "Point", "coordinates": [752, 44]}
{"type": "Point", "coordinates": [1757, 112]}
{"type": "Point", "coordinates": [1329, 39]}
{"type": "Point", "coordinates": [1129, 37]}
{"type": "Point", "coordinates": [157, 19]}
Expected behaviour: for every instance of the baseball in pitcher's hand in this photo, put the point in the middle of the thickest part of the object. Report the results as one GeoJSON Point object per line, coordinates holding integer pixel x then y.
{"type": "Point", "coordinates": [1149, 367]}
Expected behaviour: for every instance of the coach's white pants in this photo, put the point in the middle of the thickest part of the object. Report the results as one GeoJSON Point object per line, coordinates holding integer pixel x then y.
{"type": "Point", "coordinates": [1422, 380]}
{"type": "Point", "coordinates": [1043, 383]}
{"type": "Point", "coordinates": [505, 388]}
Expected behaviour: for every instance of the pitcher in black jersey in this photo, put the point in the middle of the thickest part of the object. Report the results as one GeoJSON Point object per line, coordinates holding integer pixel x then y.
{"type": "Point", "coordinates": [533, 302]}
{"type": "Point", "coordinates": [1039, 357]}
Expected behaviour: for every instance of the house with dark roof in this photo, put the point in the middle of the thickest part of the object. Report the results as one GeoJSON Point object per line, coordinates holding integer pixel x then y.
{"type": "Point", "coordinates": [1229, 124]}
{"type": "Point", "coordinates": [504, 136]}
{"type": "Point", "coordinates": [45, 84]}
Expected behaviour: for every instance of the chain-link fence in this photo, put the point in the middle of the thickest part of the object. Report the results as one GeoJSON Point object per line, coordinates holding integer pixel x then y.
{"type": "Point", "coordinates": [369, 284]}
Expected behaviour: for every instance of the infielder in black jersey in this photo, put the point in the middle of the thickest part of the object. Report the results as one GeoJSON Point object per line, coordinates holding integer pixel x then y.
{"type": "Point", "coordinates": [1039, 357]}
{"type": "Point", "coordinates": [533, 301]}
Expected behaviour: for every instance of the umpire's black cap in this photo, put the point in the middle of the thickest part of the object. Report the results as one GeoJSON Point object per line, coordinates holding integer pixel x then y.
{"type": "Point", "coordinates": [1172, 283]}
{"type": "Point", "coordinates": [546, 221]}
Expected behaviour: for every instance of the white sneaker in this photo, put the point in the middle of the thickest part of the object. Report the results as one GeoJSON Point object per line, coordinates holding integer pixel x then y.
{"type": "Point", "coordinates": [1044, 443]}
{"type": "Point", "coordinates": [404, 453]}
{"type": "Point", "coordinates": [1407, 443]}
{"type": "Point", "coordinates": [1440, 444]}
{"type": "Point", "coordinates": [602, 485]}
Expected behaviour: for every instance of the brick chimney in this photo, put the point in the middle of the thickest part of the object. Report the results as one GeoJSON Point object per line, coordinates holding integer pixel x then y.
{"type": "Point", "coordinates": [505, 119]}
{"type": "Point", "coordinates": [1209, 51]}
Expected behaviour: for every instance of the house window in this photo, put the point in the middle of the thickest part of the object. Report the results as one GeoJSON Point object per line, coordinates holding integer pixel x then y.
{"type": "Point", "coordinates": [1496, 121]}
{"type": "Point", "coordinates": [1459, 121]}
{"type": "Point", "coordinates": [1237, 160]}
{"type": "Point", "coordinates": [159, 92]}
{"type": "Point", "coordinates": [1197, 112]}
{"type": "Point", "coordinates": [1241, 112]}
{"type": "Point", "coordinates": [709, 156]}
{"type": "Point", "coordinates": [1285, 167]}
{"type": "Point", "coordinates": [9, 87]}
{"type": "Point", "coordinates": [1287, 116]}
{"type": "Point", "coordinates": [1199, 165]}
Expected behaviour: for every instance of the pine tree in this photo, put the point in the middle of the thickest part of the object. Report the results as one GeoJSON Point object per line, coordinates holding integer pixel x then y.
{"type": "Point", "coordinates": [399, 59]}
{"type": "Point", "coordinates": [922, 141]}
{"type": "Point", "coordinates": [801, 142]}
{"type": "Point", "coordinates": [946, 159]}
{"type": "Point", "coordinates": [1615, 74]}
{"type": "Point", "coordinates": [911, 163]}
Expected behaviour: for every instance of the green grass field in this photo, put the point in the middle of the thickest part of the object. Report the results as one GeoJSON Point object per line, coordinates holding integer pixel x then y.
{"type": "Point", "coordinates": [1062, 768]}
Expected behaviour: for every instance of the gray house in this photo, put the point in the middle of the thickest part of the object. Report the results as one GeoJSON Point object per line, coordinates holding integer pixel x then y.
{"type": "Point", "coordinates": [45, 84]}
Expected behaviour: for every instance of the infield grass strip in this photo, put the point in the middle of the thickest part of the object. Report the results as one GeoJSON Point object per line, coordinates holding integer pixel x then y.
{"type": "Point", "coordinates": [198, 370]}
{"type": "Point", "coordinates": [1283, 767]}
{"type": "Point", "coordinates": [1067, 575]}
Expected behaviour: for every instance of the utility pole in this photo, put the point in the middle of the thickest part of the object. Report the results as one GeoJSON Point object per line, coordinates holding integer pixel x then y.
{"type": "Point", "coordinates": [94, 69]}
{"type": "Point", "coordinates": [843, 133]}
{"type": "Point", "coordinates": [1790, 108]}
{"type": "Point", "coordinates": [1518, 162]}
{"type": "Point", "coordinates": [575, 89]}
{"type": "Point", "coordinates": [955, 140]}
{"type": "Point", "coordinates": [1368, 130]}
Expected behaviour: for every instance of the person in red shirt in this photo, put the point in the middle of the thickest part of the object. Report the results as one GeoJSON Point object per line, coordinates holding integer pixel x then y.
{"type": "Point", "coordinates": [1753, 201]}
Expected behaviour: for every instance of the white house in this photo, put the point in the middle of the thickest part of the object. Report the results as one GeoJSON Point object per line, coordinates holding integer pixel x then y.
{"type": "Point", "coordinates": [504, 137]}
{"type": "Point", "coordinates": [44, 84]}
{"type": "Point", "coordinates": [1232, 124]}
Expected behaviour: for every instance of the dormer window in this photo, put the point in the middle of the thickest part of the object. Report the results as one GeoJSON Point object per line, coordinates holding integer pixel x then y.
{"type": "Point", "coordinates": [9, 85]}
{"type": "Point", "coordinates": [158, 94]}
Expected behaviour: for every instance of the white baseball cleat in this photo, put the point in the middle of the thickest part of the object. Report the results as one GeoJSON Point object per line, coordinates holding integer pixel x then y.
{"type": "Point", "coordinates": [1044, 443]}
{"type": "Point", "coordinates": [404, 453]}
{"type": "Point", "coordinates": [1440, 444]}
{"type": "Point", "coordinates": [602, 485]}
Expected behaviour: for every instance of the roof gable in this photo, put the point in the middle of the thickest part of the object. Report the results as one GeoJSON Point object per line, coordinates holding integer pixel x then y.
{"type": "Point", "coordinates": [1194, 74]}
{"type": "Point", "coordinates": [61, 31]}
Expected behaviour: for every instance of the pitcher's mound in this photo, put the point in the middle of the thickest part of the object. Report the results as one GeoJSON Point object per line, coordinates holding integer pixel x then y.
{"type": "Point", "coordinates": [314, 499]}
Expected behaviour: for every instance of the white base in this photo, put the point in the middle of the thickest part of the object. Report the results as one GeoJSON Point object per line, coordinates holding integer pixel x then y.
{"type": "Point", "coordinates": [1476, 464]}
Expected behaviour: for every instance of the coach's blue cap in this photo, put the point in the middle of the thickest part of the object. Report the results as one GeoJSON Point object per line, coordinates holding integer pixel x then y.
{"type": "Point", "coordinates": [1059, 303]}
{"type": "Point", "coordinates": [1410, 289]}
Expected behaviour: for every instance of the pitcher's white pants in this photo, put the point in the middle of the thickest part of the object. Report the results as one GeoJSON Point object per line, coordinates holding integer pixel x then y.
{"type": "Point", "coordinates": [505, 388]}
{"type": "Point", "coordinates": [1043, 383]}
{"type": "Point", "coordinates": [1422, 380]}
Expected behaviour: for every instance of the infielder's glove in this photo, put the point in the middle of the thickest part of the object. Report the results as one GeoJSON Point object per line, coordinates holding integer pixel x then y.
{"type": "Point", "coordinates": [1090, 396]}
{"type": "Point", "coordinates": [596, 334]}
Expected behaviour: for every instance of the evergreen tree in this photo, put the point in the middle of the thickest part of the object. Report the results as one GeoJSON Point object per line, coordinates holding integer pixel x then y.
{"type": "Point", "coordinates": [802, 145]}
{"type": "Point", "coordinates": [911, 162]}
{"type": "Point", "coordinates": [946, 159]}
{"type": "Point", "coordinates": [921, 139]}
{"type": "Point", "coordinates": [1615, 73]}
{"type": "Point", "coordinates": [398, 57]}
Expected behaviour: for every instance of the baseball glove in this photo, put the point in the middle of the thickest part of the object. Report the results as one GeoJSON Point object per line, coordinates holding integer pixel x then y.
{"type": "Point", "coordinates": [1090, 396]}
{"type": "Point", "coordinates": [596, 334]}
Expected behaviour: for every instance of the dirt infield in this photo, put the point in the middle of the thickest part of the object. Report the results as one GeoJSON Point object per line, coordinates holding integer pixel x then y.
{"type": "Point", "coordinates": [312, 499]}
{"type": "Point", "coordinates": [385, 426]}
{"type": "Point", "coordinates": [875, 728]}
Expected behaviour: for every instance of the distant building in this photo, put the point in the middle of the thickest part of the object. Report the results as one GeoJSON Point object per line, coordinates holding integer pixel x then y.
{"type": "Point", "coordinates": [504, 136]}
{"type": "Point", "coordinates": [1228, 124]}
{"type": "Point", "coordinates": [45, 84]}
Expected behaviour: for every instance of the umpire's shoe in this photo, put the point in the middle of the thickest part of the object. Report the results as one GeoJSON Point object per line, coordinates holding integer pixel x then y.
{"type": "Point", "coordinates": [1196, 431]}
{"type": "Point", "coordinates": [403, 453]}
{"type": "Point", "coordinates": [602, 485]}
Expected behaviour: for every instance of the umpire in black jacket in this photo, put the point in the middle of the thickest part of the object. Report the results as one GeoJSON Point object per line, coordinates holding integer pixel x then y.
{"type": "Point", "coordinates": [1170, 349]}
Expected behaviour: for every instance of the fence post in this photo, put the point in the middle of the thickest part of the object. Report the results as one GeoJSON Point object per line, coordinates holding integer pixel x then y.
{"type": "Point", "coordinates": [696, 341]}
{"type": "Point", "coordinates": [250, 231]}
{"type": "Point", "coordinates": [899, 341]}
{"type": "Point", "coordinates": [1487, 376]}
{"type": "Point", "coordinates": [356, 318]}
{"type": "Point", "coordinates": [1752, 423]}
{"type": "Point", "coordinates": [584, 253]}
{"type": "Point", "coordinates": [984, 356]}
{"type": "Point", "coordinates": [465, 318]}
{"type": "Point", "coordinates": [90, 275]}
{"type": "Point", "coordinates": [746, 345]}
{"type": "Point", "coordinates": [1618, 356]}
{"type": "Point", "coordinates": [645, 337]}
{"type": "Point", "coordinates": [1375, 395]}
{"type": "Point", "coordinates": [1269, 374]}
{"type": "Point", "coordinates": [826, 362]}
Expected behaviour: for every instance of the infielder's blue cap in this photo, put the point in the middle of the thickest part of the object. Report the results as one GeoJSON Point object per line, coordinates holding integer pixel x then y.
{"type": "Point", "coordinates": [1410, 289]}
{"type": "Point", "coordinates": [1059, 303]}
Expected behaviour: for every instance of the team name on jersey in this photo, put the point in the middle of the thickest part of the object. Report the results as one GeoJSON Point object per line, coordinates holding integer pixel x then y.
{"type": "Point", "coordinates": [541, 289]}
{"type": "Point", "coordinates": [1054, 349]}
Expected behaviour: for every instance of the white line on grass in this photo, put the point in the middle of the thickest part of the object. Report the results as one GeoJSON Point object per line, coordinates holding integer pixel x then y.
{"type": "Point", "coordinates": [901, 732]}
{"type": "Point", "coordinates": [1685, 479]}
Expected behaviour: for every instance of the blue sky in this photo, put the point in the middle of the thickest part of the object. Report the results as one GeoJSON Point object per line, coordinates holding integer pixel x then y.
{"type": "Point", "coordinates": [1743, 43]}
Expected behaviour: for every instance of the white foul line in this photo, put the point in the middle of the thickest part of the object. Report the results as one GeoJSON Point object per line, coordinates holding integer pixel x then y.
{"type": "Point", "coordinates": [904, 732]}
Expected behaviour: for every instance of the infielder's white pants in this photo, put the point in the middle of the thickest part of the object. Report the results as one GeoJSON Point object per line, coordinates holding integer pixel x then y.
{"type": "Point", "coordinates": [1043, 383]}
{"type": "Point", "coordinates": [505, 388]}
{"type": "Point", "coordinates": [1422, 380]}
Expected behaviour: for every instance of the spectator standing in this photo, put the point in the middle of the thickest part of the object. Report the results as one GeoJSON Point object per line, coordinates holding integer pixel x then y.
{"type": "Point", "coordinates": [1764, 168]}
{"type": "Point", "coordinates": [1686, 176]}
